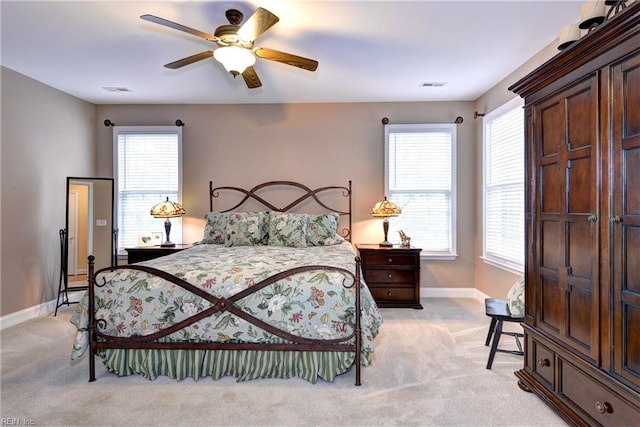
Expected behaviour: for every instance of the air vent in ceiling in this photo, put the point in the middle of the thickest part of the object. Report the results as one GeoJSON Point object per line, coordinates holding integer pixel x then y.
{"type": "Point", "coordinates": [116, 89]}
{"type": "Point", "coordinates": [433, 84]}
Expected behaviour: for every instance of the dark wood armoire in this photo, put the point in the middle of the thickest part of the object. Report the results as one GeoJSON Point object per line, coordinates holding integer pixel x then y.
{"type": "Point", "coordinates": [582, 318]}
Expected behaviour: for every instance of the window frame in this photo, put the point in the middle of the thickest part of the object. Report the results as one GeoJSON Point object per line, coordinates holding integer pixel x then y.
{"type": "Point", "coordinates": [452, 254]}
{"type": "Point", "coordinates": [498, 262]}
{"type": "Point", "coordinates": [176, 223]}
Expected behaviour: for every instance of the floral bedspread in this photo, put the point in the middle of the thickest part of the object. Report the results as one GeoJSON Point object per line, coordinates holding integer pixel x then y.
{"type": "Point", "coordinates": [312, 304]}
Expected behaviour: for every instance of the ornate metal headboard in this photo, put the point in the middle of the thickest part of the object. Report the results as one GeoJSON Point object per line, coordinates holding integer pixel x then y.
{"type": "Point", "coordinates": [308, 194]}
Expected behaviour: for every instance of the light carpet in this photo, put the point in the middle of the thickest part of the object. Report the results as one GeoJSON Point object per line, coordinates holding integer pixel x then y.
{"type": "Point", "coordinates": [428, 370]}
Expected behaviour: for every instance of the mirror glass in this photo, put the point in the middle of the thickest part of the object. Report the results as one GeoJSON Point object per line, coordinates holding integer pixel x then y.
{"type": "Point", "coordinates": [89, 227]}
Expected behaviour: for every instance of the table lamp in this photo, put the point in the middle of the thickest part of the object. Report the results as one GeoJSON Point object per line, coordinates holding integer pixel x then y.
{"type": "Point", "coordinates": [385, 209]}
{"type": "Point", "coordinates": [167, 209]}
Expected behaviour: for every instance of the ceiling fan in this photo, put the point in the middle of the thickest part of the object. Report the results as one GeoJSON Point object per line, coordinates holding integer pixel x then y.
{"type": "Point", "coordinates": [235, 45]}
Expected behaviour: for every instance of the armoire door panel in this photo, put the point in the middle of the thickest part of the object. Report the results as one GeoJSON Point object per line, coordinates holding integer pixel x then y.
{"type": "Point", "coordinates": [551, 188]}
{"type": "Point", "coordinates": [551, 305]}
{"type": "Point", "coordinates": [580, 110]}
{"type": "Point", "coordinates": [551, 120]}
{"type": "Point", "coordinates": [630, 73]}
{"type": "Point", "coordinates": [631, 161]}
{"type": "Point", "coordinates": [631, 261]}
{"type": "Point", "coordinates": [631, 349]}
{"type": "Point", "coordinates": [581, 312]}
{"type": "Point", "coordinates": [550, 244]}
{"type": "Point", "coordinates": [579, 250]}
{"type": "Point", "coordinates": [579, 182]}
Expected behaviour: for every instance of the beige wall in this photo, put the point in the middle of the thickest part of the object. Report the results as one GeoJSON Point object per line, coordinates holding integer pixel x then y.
{"type": "Point", "coordinates": [316, 144]}
{"type": "Point", "coordinates": [46, 136]}
{"type": "Point", "coordinates": [491, 280]}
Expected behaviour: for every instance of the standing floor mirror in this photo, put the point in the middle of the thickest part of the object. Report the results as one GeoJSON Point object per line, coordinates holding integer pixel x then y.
{"type": "Point", "coordinates": [89, 230]}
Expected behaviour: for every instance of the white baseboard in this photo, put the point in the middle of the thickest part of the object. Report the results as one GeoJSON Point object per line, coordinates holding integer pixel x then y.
{"type": "Point", "coordinates": [39, 310]}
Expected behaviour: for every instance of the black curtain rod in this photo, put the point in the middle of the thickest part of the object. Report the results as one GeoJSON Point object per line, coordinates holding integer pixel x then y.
{"type": "Point", "coordinates": [108, 122]}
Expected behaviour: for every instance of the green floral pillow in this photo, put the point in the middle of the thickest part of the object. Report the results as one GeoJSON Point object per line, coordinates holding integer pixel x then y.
{"type": "Point", "coordinates": [322, 230]}
{"type": "Point", "coordinates": [215, 230]}
{"type": "Point", "coordinates": [287, 229]}
{"type": "Point", "coordinates": [246, 229]}
{"type": "Point", "coordinates": [515, 299]}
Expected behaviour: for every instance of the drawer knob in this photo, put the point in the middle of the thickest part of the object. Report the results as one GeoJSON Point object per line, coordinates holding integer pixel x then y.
{"type": "Point", "coordinates": [389, 293]}
{"type": "Point", "coordinates": [544, 362]}
{"type": "Point", "coordinates": [389, 275]}
{"type": "Point", "coordinates": [390, 260]}
{"type": "Point", "coordinates": [603, 407]}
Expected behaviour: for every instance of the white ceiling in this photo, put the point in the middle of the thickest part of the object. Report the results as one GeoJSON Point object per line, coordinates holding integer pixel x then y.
{"type": "Point", "coordinates": [369, 51]}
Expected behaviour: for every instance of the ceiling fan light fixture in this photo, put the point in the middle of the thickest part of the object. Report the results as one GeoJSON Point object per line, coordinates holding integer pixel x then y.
{"type": "Point", "coordinates": [235, 59]}
{"type": "Point", "coordinates": [236, 51]}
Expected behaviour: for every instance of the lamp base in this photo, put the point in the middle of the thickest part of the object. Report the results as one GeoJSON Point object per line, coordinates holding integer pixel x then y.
{"type": "Point", "coordinates": [385, 228]}
{"type": "Point", "coordinates": [167, 229]}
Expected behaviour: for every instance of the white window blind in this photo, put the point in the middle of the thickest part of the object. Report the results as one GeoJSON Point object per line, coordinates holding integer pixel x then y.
{"type": "Point", "coordinates": [420, 170]}
{"type": "Point", "coordinates": [504, 186]}
{"type": "Point", "coordinates": [147, 164]}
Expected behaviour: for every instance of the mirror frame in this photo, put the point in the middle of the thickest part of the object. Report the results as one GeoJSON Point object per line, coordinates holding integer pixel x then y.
{"type": "Point", "coordinates": [113, 240]}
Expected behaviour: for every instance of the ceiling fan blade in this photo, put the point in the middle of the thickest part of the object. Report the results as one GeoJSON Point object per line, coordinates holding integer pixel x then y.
{"type": "Point", "coordinates": [287, 58]}
{"type": "Point", "coordinates": [251, 78]}
{"type": "Point", "coordinates": [258, 23]}
{"type": "Point", "coordinates": [180, 27]}
{"type": "Point", "coordinates": [189, 59]}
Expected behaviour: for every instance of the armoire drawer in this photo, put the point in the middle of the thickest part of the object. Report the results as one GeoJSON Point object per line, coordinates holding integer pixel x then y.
{"type": "Point", "coordinates": [597, 401]}
{"type": "Point", "coordinates": [544, 364]}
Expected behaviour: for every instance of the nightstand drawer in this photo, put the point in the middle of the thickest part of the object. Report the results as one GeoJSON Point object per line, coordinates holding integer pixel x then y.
{"type": "Point", "coordinates": [381, 260]}
{"type": "Point", "coordinates": [372, 276]}
{"type": "Point", "coordinates": [381, 294]}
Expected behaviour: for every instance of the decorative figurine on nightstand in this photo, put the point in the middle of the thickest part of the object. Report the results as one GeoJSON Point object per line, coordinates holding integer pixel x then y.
{"type": "Point", "coordinates": [405, 241]}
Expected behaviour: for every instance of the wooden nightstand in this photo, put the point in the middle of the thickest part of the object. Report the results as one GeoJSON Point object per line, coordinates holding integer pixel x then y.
{"type": "Point", "coordinates": [392, 274]}
{"type": "Point", "coordinates": [145, 253]}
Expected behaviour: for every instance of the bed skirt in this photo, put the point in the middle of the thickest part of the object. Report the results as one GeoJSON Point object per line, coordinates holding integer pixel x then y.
{"type": "Point", "coordinates": [242, 364]}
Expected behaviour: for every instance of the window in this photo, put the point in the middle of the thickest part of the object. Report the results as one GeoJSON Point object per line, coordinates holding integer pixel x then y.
{"type": "Point", "coordinates": [420, 179]}
{"type": "Point", "coordinates": [504, 187]}
{"type": "Point", "coordinates": [147, 170]}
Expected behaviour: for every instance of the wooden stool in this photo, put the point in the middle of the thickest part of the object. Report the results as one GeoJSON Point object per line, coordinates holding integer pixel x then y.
{"type": "Point", "coordinates": [498, 311]}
